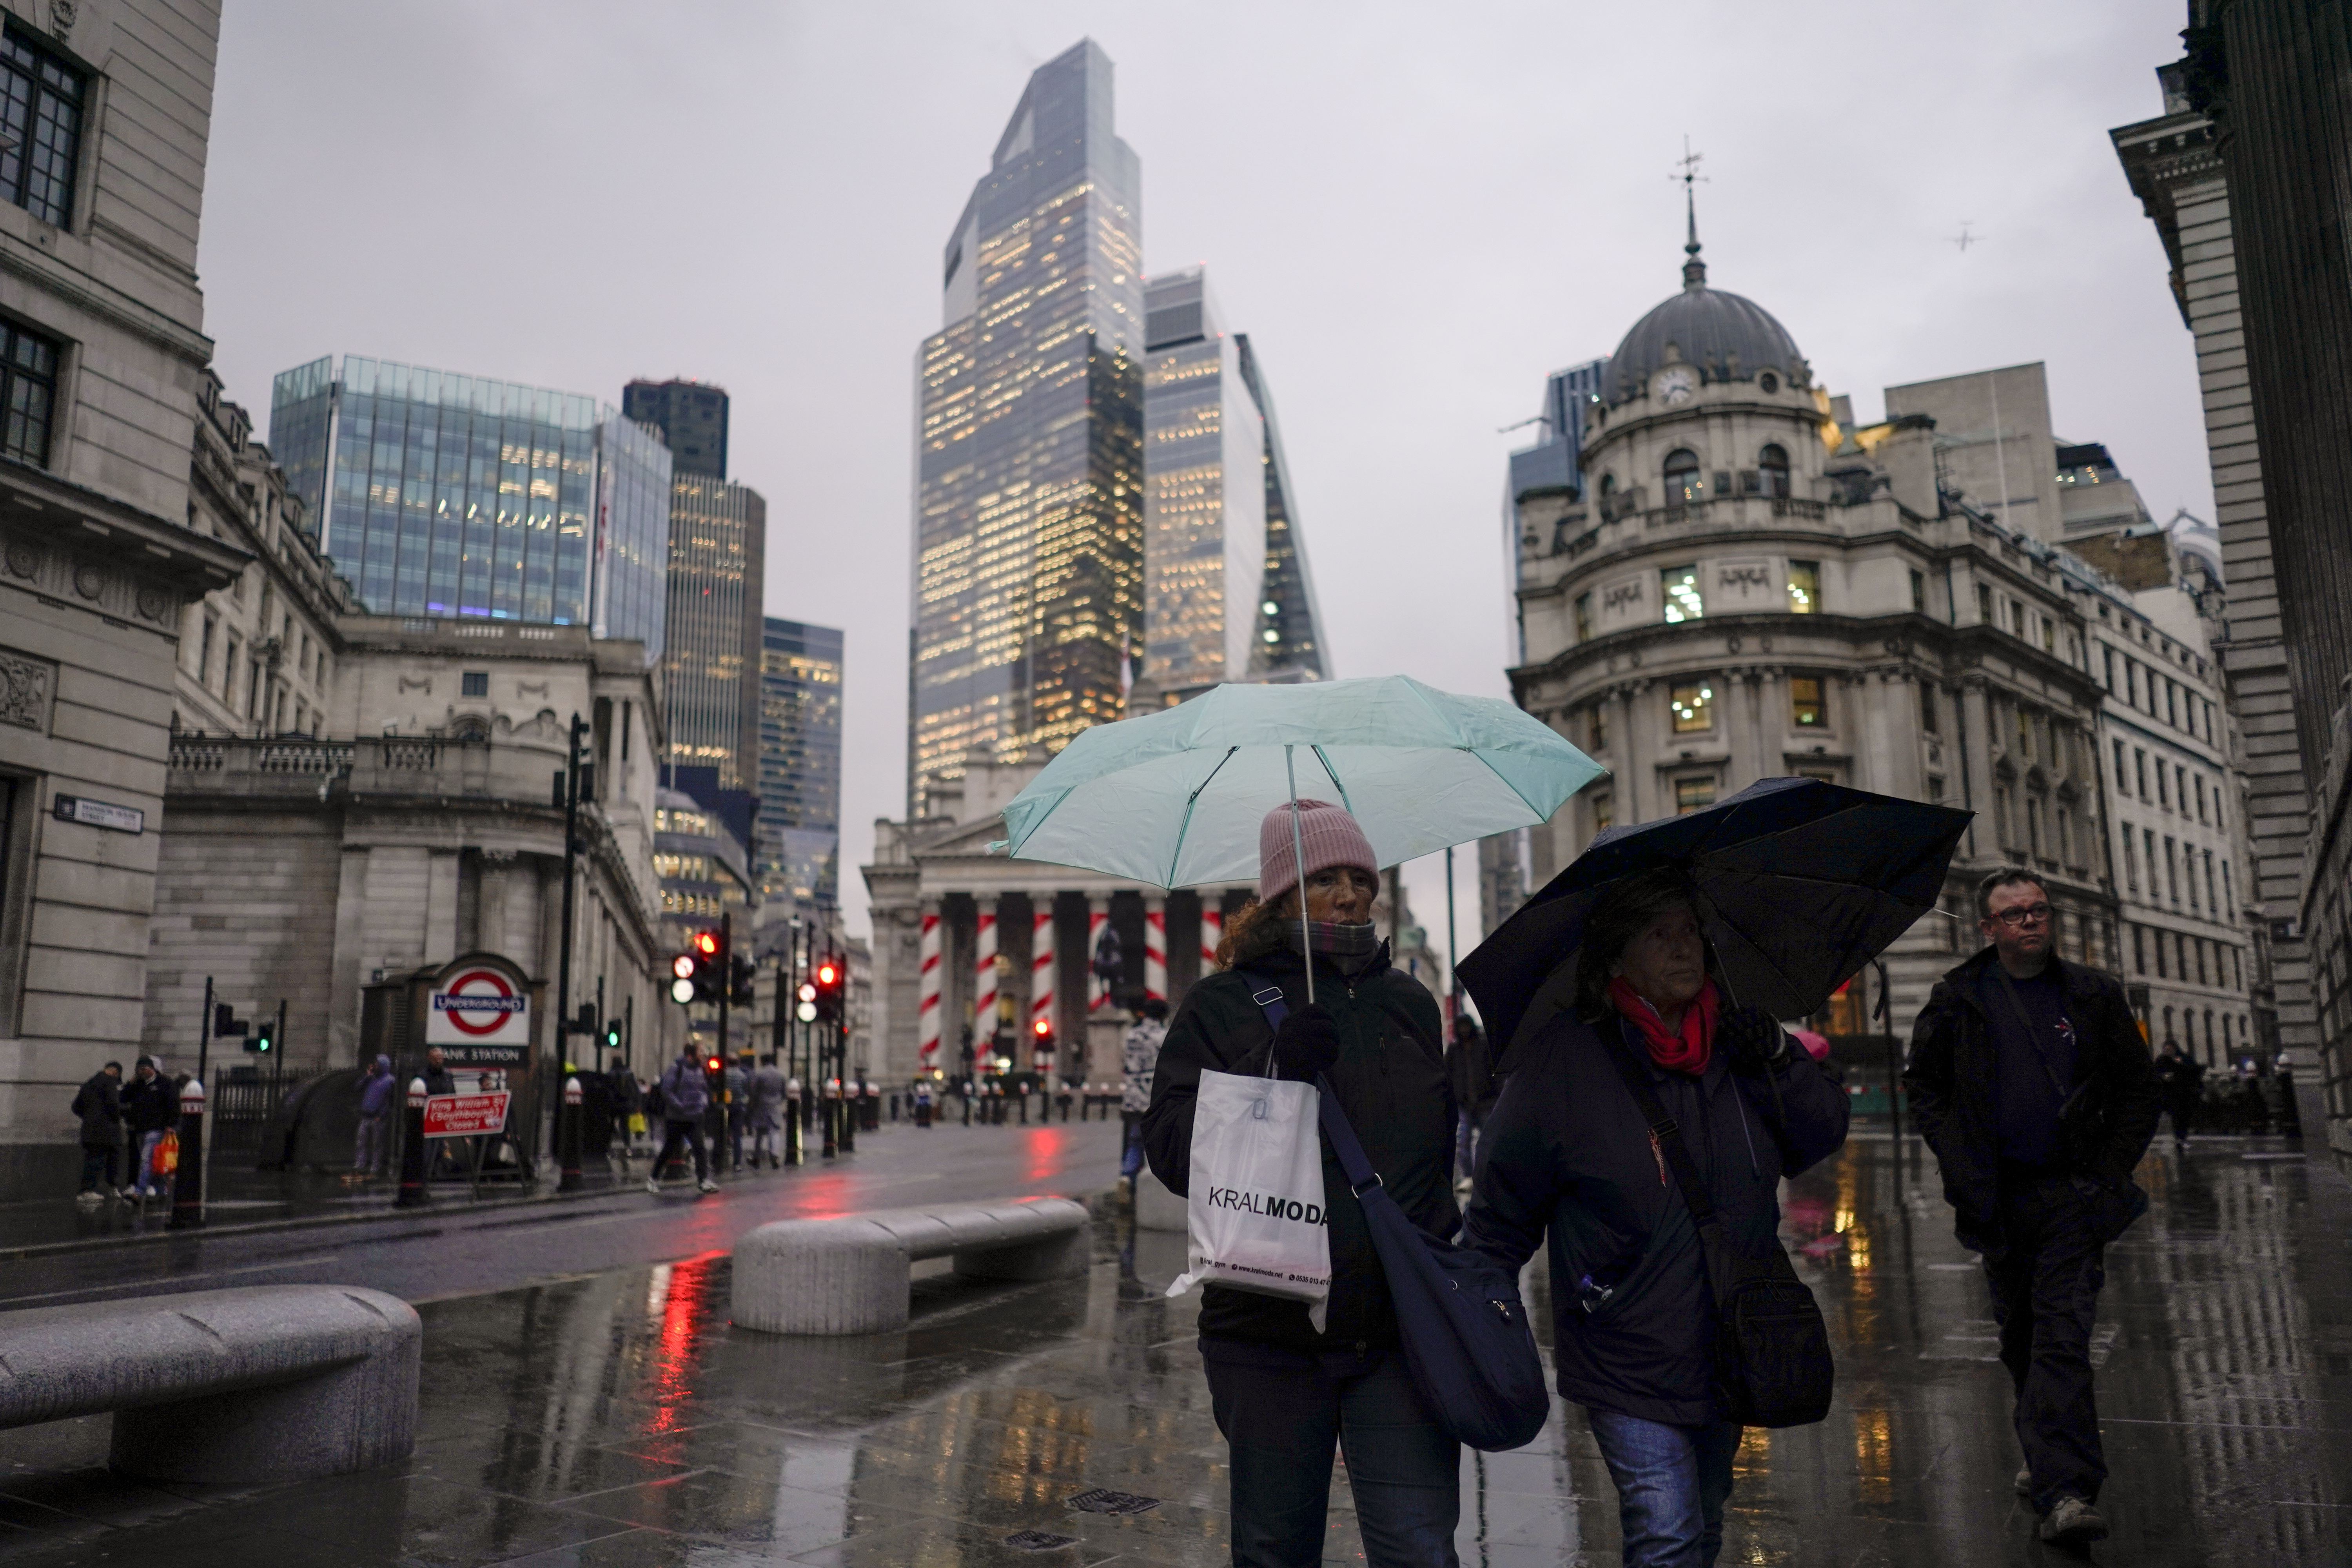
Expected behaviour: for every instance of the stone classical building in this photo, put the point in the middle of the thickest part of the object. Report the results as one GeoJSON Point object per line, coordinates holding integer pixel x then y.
{"type": "Point", "coordinates": [417, 824]}
{"type": "Point", "coordinates": [105, 118]}
{"type": "Point", "coordinates": [1747, 585]}
{"type": "Point", "coordinates": [2174, 166]}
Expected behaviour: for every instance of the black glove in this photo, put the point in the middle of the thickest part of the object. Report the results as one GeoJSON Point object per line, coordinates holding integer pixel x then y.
{"type": "Point", "coordinates": [1306, 1044]}
{"type": "Point", "coordinates": [1752, 1040]}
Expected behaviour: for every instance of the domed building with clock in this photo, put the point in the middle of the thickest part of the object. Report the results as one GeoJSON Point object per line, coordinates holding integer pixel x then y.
{"type": "Point", "coordinates": [1732, 582]}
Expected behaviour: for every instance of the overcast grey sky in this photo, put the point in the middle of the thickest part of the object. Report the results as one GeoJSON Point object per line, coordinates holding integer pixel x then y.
{"type": "Point", "coordinates": [1415, 211]}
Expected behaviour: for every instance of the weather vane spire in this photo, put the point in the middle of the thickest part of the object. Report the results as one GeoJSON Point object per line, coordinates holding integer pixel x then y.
{"type": "Point", "coordinates": [1694, 270]}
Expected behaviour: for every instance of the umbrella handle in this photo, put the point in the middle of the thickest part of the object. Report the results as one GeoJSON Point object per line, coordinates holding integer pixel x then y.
{"type": "Point", "coordinates": [1298, 864]}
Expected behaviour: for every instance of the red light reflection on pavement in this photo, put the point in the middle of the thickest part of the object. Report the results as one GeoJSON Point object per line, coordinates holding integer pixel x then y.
{"type": "Point", "coordinates": [1047, 1148]}
{"type": "Point", "coordinates": [685, 1307]}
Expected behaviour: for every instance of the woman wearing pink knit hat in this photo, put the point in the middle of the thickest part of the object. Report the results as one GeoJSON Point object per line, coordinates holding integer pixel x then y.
{"type": "Point", "coordinates": [1285, 1394]}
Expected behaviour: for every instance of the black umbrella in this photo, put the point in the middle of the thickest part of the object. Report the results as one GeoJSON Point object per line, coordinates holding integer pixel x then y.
{"type": "Point", "coordinates": [1800, 883]}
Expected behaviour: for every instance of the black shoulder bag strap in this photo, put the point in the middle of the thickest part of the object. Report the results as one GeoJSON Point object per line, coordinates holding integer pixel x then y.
{"type": "Point", "coordinates": [1665, 1132]}
{"type": "Point", "coordinates": [1771, 1354]}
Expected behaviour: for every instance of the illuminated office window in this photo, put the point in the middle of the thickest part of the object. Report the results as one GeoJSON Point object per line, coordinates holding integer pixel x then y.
{"type": "Point", "coordinates": [1679, 585]}
{"type": "Point", "coordinates": [1693, 795]}
{"type": "Point", "coordinates": [1804, 588]}
{"type": "Point", "coordinates": [1682, 476]}
{"type": "Point", "coordinates": [1805, 708]}
{"type": "Point", "coordinates": [1694, 708]}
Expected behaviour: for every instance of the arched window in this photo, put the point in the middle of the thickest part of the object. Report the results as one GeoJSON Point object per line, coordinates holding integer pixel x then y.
{"type": "Point", "coordinates": [1682, 475]}
{"type": "Point", "coordinates": [1608, 486]}
{"type": "Point", "coordinates": [1773, 461]}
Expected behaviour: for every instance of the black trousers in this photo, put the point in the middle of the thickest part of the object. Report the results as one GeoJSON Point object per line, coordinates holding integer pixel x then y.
{"type": "Point", "coordinates": [2183, 1112]}
{"type": "Point", "coordinates": [2045, 1295]}
{"type": "Point", "coordinates": [1283, 1413]}
{"type": "Point", "coordinates": [688, 1133]}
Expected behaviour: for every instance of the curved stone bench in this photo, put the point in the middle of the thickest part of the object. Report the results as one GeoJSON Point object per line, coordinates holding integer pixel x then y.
{"type": "Point", "coordinates": [848, 1276]}
{"type": "Point", "coordinates": [270, 1382]}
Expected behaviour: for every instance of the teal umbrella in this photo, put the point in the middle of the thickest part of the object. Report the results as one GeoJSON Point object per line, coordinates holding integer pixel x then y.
{"type": "Point", "coordinates": [1175, 798]}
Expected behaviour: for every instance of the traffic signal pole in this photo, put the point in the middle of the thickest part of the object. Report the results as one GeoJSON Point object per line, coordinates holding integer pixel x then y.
{"type": "Point", "coordinates": [554, 1076]}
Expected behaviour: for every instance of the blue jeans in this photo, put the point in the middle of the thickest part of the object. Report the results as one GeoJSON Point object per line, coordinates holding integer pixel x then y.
{"type": "Point", "coordinates": [1672, 1484]}
{"type": "Point", "coordinates": [1283, 1411]}
{"type": "Point", "coordinates": [1130, 1153]}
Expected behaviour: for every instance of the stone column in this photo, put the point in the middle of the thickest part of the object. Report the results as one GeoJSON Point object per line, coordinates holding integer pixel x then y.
{"type": "Point", "coordinates": [927, 1011]}
{"type": "Point", "coordinates": [1625, 778]}
{"type": "Point", "coordinates": [1042, 962]}
{"type": "Point", "coordinates": [1976, 737]}
{"type": "Point", "coordinates": [1155, 946]}
{"type": "Point", "coordinates": [983, 971]}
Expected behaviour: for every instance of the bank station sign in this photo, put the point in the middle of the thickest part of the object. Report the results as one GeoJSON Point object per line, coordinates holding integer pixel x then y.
{"type": "Point", "coordinates": [479, 1017]}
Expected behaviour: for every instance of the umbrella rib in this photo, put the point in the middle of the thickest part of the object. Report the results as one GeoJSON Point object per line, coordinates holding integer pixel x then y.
{"type": "Point", "coordinates": [1176, 852]}
{"type": "Point", "coordinates": [1332, 773]}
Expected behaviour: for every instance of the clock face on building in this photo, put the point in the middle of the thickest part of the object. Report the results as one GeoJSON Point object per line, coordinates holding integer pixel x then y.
{"type": "Point", "coordinates": [1674, 383]}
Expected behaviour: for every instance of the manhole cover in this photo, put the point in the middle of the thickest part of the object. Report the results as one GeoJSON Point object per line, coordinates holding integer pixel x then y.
{"type": "Point", "coordinates": [1036, 1541]}
{"type": "Point", "coordinates": [1104, 1500]}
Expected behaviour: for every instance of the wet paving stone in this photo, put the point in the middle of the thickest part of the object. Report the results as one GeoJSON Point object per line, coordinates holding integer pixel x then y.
{"type": "Point", "coordinates": [617, 1420]}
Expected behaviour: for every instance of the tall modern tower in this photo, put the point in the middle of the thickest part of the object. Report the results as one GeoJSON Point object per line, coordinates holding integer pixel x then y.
{"type": "Point", "coordinates": [1028, 526]}
{"type": "Point", "coordinates": [1289, 644]}
{"type": "Point", "coordinates": [691, 416]}
{"type": "Point", "coordinates": [799, 856]}
{"type": "Point", "coordinates": [455, 495]}
{"type": "Point", "coordinates": [711, 670]}
{"type": "Point", "coordinates": [1203, 493]}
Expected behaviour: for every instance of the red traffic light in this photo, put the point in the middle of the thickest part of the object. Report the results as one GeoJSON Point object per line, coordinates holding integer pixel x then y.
{"type": "Point", "coordinates": [706, 942]}
{"type": "Point", "coordinates": [826, 974]}
{"type": "Point", "coordinates": [715, 1064]}
{"type": "Point", "coordinates": [1044, 1028]}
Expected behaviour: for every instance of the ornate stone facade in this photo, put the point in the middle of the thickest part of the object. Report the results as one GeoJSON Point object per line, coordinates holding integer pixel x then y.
{"type": "Point", "coordinates": [1749, 586]}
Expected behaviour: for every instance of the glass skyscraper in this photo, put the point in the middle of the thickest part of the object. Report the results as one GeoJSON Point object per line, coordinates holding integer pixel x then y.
{"type": "Point", "coordinates": [691, 416]}
{"type": "Point", "coordinates": [1289, 644]}
{"type": "Point", "coordinates": [1203, 493]}
{"type": "Point", "coordinates": [798, 853]}
{"type": "Point", "coordinates": [453, 495]}
{"type": "Point", "coordinates": [710, 667]}
{"type": "Point", "coordinates": [1028, 549]}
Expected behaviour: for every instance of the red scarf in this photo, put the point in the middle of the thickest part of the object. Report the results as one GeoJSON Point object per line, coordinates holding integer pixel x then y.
{"type": "Point", "coordinates": [1685, 1052]}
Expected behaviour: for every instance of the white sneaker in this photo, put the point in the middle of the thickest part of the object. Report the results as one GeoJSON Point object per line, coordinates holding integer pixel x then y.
{"type": "Point", "coordinates": [88, 1200]}
{"type": "Point", "coordinates": [2072, 1522]}
{"type": "Point", "coordinates": [653, 1185]}
{"type": "Point", "coordinates": [709, 1185]}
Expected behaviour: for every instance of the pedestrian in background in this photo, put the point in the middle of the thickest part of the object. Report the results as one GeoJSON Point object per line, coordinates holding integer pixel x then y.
{"type": "Point", "coordinates": [737, 1080]}
{"type": "Point", "coordinates": [685, 1097]}
{"type": "Point", "coordinates": [767, 1111]}
{"type": "Point", "coordinates": [2030, 1079]}
{"type": "Point", "coordinates": [626, 1100]}
{"type": "Point", "coordinates": [2182, 1079]}
{"type": "Point", "coordinates": [99, 1103]}
{"type": "Point", "coordinates": [1470, 1068]}
{"type": "Point", "coordinates": [151, 1105]}
{"type": "Point", "coordinates": [1282, 1393]}
{"type": "Point", "coordinates": [372, 1150]}
{"type": "Point", "coordinates": [1138, 1058]}
{"type": "Point", "coordinates": [1569, 1150]}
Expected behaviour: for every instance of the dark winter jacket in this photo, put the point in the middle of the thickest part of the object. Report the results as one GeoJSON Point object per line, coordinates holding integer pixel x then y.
{"type": "Point", "coordinates": [150, 1106]}
{"type": "Point", "coordinates": [99, 1103]}
{"type": "Point", "coordinates": [1953, 1080]}
{"type": "Point", "coordinates": [684, 1091]}
{"type": "Point", "coordinates": [1470, 1068]}
{"type": "Point", "coordinates": [1390, 1081]}
{"type": "Point", "coordinates": [1566, 1147]}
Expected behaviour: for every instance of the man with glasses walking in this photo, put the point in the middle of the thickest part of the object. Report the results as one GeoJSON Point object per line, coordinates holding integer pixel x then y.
{"type": "Point", "coordinates": [2030, 1079]}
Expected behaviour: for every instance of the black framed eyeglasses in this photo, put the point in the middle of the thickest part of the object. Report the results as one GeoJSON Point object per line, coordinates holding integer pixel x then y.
{"type": "Point", "coordinates": [2031, 914]}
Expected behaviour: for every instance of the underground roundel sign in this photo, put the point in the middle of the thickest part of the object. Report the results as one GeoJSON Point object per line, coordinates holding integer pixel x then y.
{"type": "Point", "coordinates": [479, 1006]}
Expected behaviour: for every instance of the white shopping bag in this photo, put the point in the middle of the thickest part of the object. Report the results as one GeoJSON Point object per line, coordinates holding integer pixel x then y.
{"type": "Point", "coordinates": [1256, 1211]}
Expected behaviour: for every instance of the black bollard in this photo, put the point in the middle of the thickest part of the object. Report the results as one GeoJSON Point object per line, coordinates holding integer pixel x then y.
{"type": "Point", "coordinates": [567, 1139]}
{"type": "Point", "coordinates": [830, 1115]}
{"type": "Point", "coordinates": [1024, 1108]}
{"type": "Point", "coordinates": [966, 1097]}
{"type": "Point", "coordinates": [793, 1122]}
{"type": "Point", "coordinates": [188, 1176]}
{"type": "Point", "coordinates": [849, 1114]}
{"type": "Point", "coordinates": [413, 1150]}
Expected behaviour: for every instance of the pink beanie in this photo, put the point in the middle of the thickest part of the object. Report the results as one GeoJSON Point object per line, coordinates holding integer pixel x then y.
{"type": "Point", "coordinates": [1326, 832]}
